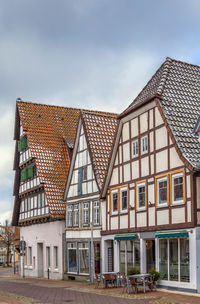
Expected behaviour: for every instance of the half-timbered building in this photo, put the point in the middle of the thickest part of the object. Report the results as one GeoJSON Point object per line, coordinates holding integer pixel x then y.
{"type": "Point", "coordinates": [151, 215]}
{"type": "Point", "coordinates": [42, 159]}
{"type": "Point", "coordinates": [91, 153]}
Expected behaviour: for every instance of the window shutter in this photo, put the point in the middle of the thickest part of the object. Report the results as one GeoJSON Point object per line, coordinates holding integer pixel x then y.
{"type": "Point", "coordinates": [19, 146]}
{"type": "Point", "coordinates": [24, 142]}
{"type": "Point", "coordinates": [80, 180]}
{"type": "Point", "coordinates": [23, 175]}
{"type": "Point", "coordinates": [30, 172]}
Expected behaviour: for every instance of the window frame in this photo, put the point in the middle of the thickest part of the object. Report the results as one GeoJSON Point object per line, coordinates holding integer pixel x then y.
{"type": "Point", "coordinates": [96, 209]}
{"type": "Point", "coordinates": [158, 179]}
{"type": "Point", "coordinates": [135, 148]}
{"type": "Point", "coordinates": [124, 189]}
{"type": "Point", "coordinates": [173, 176]}
{"type": "Point", "coordinates": [138, 185]}
{"type": "Point", "coordinates": [144, 151]}
{"type": "Point", "coordinates": [113, 192]}
{"type": "Point", "coordinates": [77, 211]}
{"type": "Point", "coordinates": [84, 209]}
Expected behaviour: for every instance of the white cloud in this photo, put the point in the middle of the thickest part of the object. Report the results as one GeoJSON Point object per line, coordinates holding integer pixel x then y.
{"type": "Point", "coordinates": [5, 216]}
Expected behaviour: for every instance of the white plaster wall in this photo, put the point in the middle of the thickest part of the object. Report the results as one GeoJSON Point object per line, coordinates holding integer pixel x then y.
{"type": "Point", "coordinates": [158, 118]}
{"type": "Point", "coordinates": [103, 214]}
{"type": "Point", "coordinates": [126, 152]}
{"type": "Point", "coordinates": [151, 119]}
{"type": "Point", "coordinates": [189, 215]}
{"type": "Point", "coordinates": [151, 193]}
{"type": "Point", "coordinates": [132, 218]}
{"type": "Point", "coordinates": [198, 191]}
{"type": "Point", "coordinates": [141, 219]}
{"type": "Point", "coordinates": [114, 222]}
{"type": "Point", "coordinates": [123, 221]}
{"type": "Point", "coordinates": [162, 217]}
{"type": "Point", "coordinates": [152, 164]}
{"type": "Point", "coordinates": [144, 122]}
{"type": "Point", "coordinates": [151, 214]}
{"type": "Point", "coordinates": [188, 186]}
{"type": "Point", "coordinates": [161, 161]}
{"type": "Point", "coordinates": [116, 160]}
{"type": "Point", "coordinates": [175, 161]}
{"type": "Point", "coordinates": [178, 215]}
{"type": "Point", "coordinates": [126, 172]}
{"type": "Point", "coordinates": [151, 141]}
{"type": "Point", "coordinates": [145, 166]}
{"type": "Point", "coordinates": [50, 234]}
{"type": "Point", "coordinates": [132, 198]}
{"type": "Point", "coordinates": [125, 131]}
{"type": "Point", "coordinates": [135, 169]}
{"type": "Point", "coordinates": [114, 178]}
{"type": "Point", "coordinates": [134, 127]}
{"type": "Point", "coordinates": [120, 174]}
{"type": "Point", "coordinates": [120, 154]}
{"type": "Point", "coordinates": [83, 233]}
{"type": "Point", "coordinates": [161, 138]}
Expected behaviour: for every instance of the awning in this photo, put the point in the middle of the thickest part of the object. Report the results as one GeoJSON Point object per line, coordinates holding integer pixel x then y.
{"type": "Point", "coordinates": [171, 234]}
{"type": "Point", "coordinates": [128, 236]}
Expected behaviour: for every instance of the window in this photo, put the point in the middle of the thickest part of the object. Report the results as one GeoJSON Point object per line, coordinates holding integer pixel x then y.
{"type": "Point", "coordinates": [135, 148]}
{"type": "Point", "coordinates": [84, 173]}
{"type": "Point", "coordinates": [30, 255]}
{"type": "Point", "coordinates": [141, 196]}
{"type": "Point", "coordinates": [69, 216]}
{"type": "Point", "coordinates": [162, 191]}
{"type": "Point", "coordinates": [76, 215]}
{"type": "Point", "coordinates": [129, 255]}
{"type": "Point", "coordinates": [123, 199]}
{"type": "Point", "coordinates": [55, 257]}
{"type": "Point", "coordinates": [72, 260]}
{"type": "Point", "coordinates": [144, 144]}
{"type": "Point", "coordinates": [48, 257]}
{"type": "Point", "coordinates": [177, 188]}
{"type": "Point", "coordinates": [114, 195]}
{"type": "Point", "coordinates": [96, 213]}
{"type": "Point", "coordinates": [86, 214]}
{"type": "Point", "coordinates": [83, 258]}
{"type": "Point", "coordinates": [80, 180]}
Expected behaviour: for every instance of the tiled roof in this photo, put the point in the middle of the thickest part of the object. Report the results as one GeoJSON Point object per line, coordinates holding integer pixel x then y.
{"type": "Point", "coordinates": [46, 127]}
{"type": "Point", "coordinates": [178, 86]}
{"type": "Point", "coordinates": [100, 132]}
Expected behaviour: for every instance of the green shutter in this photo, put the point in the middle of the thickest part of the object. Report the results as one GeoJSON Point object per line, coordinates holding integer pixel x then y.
{"type": "Point", "coordinates": [22, 143]}
{"type": "Point", "coordinates": [19, 146]}
{"type": "Point", "coordinates": [23, 175]}
{"type": "Point", "coordinates": [30, 172]}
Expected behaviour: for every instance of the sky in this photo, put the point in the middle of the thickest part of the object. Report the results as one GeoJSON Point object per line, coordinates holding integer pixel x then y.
{"type": "Point", "coordinates": [95, 54]}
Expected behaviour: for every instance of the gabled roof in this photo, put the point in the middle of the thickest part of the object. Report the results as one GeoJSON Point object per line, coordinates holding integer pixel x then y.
{"type": "Point", "coordinates": [46, 127]}
{"type": "Point", "coordinates": [100, 132]}
{"type": "Point", "coordinates": [99, 129]}
{"type": "Point", "coordinates": [177, 85]}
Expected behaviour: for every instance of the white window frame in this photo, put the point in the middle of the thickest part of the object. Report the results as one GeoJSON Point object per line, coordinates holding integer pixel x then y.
{"type": "Point", "coordinates": [69, 211]}
{"type": "Point", "coordinates": [96, 213]}
{"type": "Point", "coordinates": [75, 215]}
{"type": "Point", "coordinates": [174, 176]}
{"type": "Point", "coordinates": [144, 145]}
{"type": "Point", "coordinates": [113, 192]}
{"type": "Point", "coordinates": [135, 147]}
{"type": "Point", "coordinates": [48, 256]}
{"type": "Point", "coordinates": [56, 260]}
{"type": "Point", "coordinates": [123, 190]}
{"type": "Point", "coordinates": [158, 194]}
{"type": "Point", "coordinates": [85, 210]}
{"type": "Point", "coordinates": [138, 186]}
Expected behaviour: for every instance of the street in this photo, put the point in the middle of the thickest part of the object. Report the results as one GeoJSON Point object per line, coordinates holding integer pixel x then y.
{"type": "Point", "coordinates": [15, 290]}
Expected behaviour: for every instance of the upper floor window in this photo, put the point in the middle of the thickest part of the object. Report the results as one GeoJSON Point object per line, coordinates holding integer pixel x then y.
{"type": "Point", "coordinates": [144, 144]}
{"type": "Point", "coordinates": [162, 190]}
{"type": "Point", "coordinates": [69, 216]}
{"type": "Point", "coordinates": [141, 196]}
{"type": "Point", "coordinates": [123, 199]}
{"type": "Point", "coordinates": [135, 148]}
{"type": "Point", "coordinates": [86, 213]}
{"type": "Point", "coordinates": [96, 213]}
{"type": "Point", "coordinates": [85, 173]}
{"type": "Point", "coordinates": [76, 215]}
{"type": "Point", "coordinates": [80, 180]}
{"type": "Point", "coordinates": [114, 199]}
{"type": "Point", "coordinates": [177, 188]}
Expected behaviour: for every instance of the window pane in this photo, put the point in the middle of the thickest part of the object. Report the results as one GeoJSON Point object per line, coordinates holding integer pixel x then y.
{"type": "Point", "coordinates": [141, 196]}
{"type": "Point", "coordinates": [184, 260]}
{"type": "Point", "coordinates": [124, 200]}
{"type": "Point", "coordinates": [85, 213]}
{"type": "Point", "coordinates": [122, 256]}
{"type": "Point", "coordinates": [129, 247]}
{"type": "Point", "coordinates": [178, 188]}
{"type": "Point", "coordinates": [137, 254]}
{"type": "Point", "coordinates": [173, 259]}
{"type": "Point", "coordinates": [72, 263]}
{"type": "Point", "coordinates": [162, 188]}
{"type": "Point", "coordinates": [84, 260]}
{"type": "Point", "coordinates": [114, 201]}
{"type": "Point", "coordinates": [163, 262]}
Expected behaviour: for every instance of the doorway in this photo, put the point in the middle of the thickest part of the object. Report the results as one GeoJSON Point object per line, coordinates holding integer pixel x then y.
{"type": "Point", "coordinates": [40, 260]}
{"type": "Point", "coordinates": [150, 254]}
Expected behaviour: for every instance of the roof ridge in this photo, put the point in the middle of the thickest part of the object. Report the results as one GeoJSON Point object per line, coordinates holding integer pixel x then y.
{"type": "Point", "coordinates": [166, 67]}
{"type": "Point", "coordinates": [183, 62]}
{"type": "Point", "coordinates": [100, 113]}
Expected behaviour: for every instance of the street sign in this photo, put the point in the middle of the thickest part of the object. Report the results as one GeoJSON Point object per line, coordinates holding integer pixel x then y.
{"type": "Point", "coordinates": [22, 245]}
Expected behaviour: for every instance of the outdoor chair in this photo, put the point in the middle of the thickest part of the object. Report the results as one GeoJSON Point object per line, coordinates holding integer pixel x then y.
{"type": "Point", "coordinates": [149, 282]}
{"type": "Point", "coordinates": [135, 283]}
{"type": "Point", "coordinates": [109, 279]}
{"type": "Point", "coordinates": [125, 283]}
{"type": "Point", "coordinates": [97, 280]}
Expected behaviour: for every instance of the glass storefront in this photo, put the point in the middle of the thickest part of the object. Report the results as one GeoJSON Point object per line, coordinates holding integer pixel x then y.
{"type": "Point", "coordinates": [83, 258]}
{"type": "Point", "coordinates": [129, 255]}
{"type": "Point", "coordinates": [174, 259]}
{"type": "Point", "coordinates": [72, 260]}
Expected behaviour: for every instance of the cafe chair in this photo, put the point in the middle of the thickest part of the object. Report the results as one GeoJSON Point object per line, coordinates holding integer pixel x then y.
{"type": "Point", "coordinates": [97, 280]}
{"type": "Point", "coordinates": [109, 279]}
{"type": "Point", "coordinates": [149, 282]}
{"type": "Point", "coordinates": [135, 283]}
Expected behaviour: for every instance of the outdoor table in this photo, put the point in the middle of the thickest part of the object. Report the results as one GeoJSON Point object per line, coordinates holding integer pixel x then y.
{"type": "Point", "coordinates": [142, 277]}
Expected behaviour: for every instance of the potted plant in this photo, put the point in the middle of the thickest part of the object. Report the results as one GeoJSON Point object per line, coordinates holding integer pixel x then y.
{"type": "Point", "coordinates": [133, 270]}
{"type": "Point", "coordinates": [155, 276]}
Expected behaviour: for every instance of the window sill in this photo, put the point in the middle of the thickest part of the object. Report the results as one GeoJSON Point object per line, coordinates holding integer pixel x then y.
{"type": "Point", "coordinates": [177, 203]}
{"type": "Point", "coordinates": [124, 212]}
{"type": "Point", "coordinates": [162, 206]}
{"type": "Point", "coordinates": [141, 210]}
{"type": "Point", "coordinates": [114, 214]}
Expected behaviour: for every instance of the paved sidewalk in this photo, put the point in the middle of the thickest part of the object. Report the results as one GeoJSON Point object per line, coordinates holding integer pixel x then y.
{"type": "Point", "coordinates": [16, 290]}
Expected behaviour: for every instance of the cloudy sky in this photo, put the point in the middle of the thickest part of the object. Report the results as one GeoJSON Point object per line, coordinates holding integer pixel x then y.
{"type": "Point", "coordinates": [95, 54]}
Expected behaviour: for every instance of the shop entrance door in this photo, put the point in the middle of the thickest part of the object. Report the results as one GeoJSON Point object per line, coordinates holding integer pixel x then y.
{"type": "Point", "coordinates": [150, 254]}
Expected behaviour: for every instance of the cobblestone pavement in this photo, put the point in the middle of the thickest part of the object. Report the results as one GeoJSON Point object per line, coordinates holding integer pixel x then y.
{"type": "Point", "coordinates": [16, 290]}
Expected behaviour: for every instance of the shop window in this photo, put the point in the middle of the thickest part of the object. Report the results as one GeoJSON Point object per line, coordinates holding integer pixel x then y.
{"type": "Point", "coordinates": [162, 191]}
{"type": "Point", "coordinates": [123, 196]}
{"type": "Point", "coordinates": [144, 145]}
{"type": "Point", "coordinates": [177, 188]}
{"type": "Point", "coordinates": [184, 260]}
{"type": "Point", "coordinates": [86, 213]}
{"type": "Point", "coordinates": [96, 213]}
{"type": "Point", "coordinates": [114, 201]}
{"type": "Point", "coordinates": [129, 255]}
{"type": "Point", "coordinates": [163, 259]}
{"type": "Point", "coordinates": [141, 196]}
{"type": "Point", "coordinates": [135, 148]}
{"type": "Point", "coordinates": [173, 259]}
{"type": "Point", "coordinates": [71, 257]}
{"type": "Point", "coordinates": [83, 258]}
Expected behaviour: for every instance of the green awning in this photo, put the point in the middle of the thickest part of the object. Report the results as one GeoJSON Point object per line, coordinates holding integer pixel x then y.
{"type": "Point", "coordinates": [172, 234]}
{"type": "Point", "coordinates": [128, 236]}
